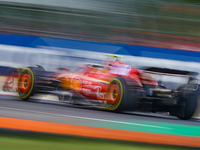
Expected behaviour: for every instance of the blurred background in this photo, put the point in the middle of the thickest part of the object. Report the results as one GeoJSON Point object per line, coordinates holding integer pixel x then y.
{"type": "Point", "coordinates": [158, 23]}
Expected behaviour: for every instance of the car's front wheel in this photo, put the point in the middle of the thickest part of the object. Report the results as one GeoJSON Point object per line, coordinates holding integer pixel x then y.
{"type": "Point", "coordinates": [26, 83]}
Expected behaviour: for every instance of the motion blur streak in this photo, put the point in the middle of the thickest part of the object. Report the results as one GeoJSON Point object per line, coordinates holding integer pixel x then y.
{"type": "Point", "coordinates": [93, 119]}
{"type": "Point", "coordinates": [160, 23]}
{"type": "Point", "coordinates": [98, 132]}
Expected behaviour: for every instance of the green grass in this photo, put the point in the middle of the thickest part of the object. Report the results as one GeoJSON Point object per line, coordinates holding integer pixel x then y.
{"type": "Point", "coordinates": [20, 140]}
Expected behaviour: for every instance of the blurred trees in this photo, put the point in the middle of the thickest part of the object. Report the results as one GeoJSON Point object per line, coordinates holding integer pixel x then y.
{"type": "Point", "coordinates": [162, 23]}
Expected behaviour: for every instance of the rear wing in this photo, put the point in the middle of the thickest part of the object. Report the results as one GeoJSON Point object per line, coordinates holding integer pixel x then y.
{"type": "Point", "coordinates": [167, 71]}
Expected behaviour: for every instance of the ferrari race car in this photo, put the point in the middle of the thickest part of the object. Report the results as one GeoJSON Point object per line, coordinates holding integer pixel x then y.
{"type": "Point", "coordinates": [115, 86]}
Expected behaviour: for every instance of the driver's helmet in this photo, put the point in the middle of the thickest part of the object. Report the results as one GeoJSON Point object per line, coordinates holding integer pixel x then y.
{"type": "Point", "coordinates": [98, 68]}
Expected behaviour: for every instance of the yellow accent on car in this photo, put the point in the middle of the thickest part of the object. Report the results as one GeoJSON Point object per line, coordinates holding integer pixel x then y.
{"type": "Point", "coordinates": [114, 55]}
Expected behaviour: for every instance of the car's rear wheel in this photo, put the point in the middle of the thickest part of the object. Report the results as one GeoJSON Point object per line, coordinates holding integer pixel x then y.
{"type": "Point", "coordinates": [115, 94]}
{"type": "Point", "coordinates": [187, 102]}
{"type": "Point", "coordinates": [187, 106]}
{"type": "Point", "coordinates": [119, 97]}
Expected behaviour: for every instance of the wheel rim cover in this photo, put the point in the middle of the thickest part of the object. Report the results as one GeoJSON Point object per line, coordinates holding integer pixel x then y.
{"type": "Point", "coordinates": [114, 93]}
{"type": "Point", "coordinates": [25, 83]}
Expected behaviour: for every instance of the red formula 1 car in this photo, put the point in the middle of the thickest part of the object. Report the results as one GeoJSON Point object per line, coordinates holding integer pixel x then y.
{"type": "Point", "coordinates": [115, 86]}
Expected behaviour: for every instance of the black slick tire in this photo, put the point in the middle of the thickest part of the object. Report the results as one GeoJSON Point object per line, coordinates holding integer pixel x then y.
{"type": "Point", "coordinates": [119, 97]}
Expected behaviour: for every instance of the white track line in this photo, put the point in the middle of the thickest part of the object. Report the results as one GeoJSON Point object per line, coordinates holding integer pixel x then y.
{"type": "Point", "coordinates": [86, 118]}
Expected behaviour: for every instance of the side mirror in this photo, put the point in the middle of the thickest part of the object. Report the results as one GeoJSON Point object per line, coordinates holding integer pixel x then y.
{"type": "Point", "coordinates": [62, 69]}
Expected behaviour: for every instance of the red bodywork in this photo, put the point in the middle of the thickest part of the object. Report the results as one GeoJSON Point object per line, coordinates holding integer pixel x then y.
{"type": "Point", "coordinates": [92, 82]}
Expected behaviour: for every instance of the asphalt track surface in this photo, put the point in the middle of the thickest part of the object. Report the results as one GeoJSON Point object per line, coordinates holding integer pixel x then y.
{"type": "Point", "coordinates": [51, 111]}
{"type": "Point", "coordinates": [55, 117]}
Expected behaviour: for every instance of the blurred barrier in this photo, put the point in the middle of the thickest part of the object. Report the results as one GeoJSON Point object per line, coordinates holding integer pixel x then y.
{"type": "Point", "coordinates": [145, 51]}
{"type": "Point", "coordinates": [21, 51]}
